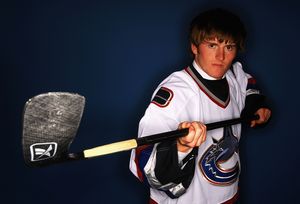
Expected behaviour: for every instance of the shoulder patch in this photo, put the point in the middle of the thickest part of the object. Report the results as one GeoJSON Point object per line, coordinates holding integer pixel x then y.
{"type": "Point", "coordinates": [252, 84]}
{"type": "Point", "coordinates": [252, 87]}
{"type": "Point", "coordinates": [163, 97]}
{"type": "Point", "coordinates": [251, 81]}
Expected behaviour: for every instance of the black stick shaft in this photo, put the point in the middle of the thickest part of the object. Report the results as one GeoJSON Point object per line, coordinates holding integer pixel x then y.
{"type": "Point", "coordinates": [180, 133]}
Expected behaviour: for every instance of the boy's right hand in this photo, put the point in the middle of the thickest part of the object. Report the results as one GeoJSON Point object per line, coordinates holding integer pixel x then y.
{"type": "Point", "coordinates": [195, 137]}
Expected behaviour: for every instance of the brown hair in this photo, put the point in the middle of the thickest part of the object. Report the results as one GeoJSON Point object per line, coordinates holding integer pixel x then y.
{"type": "Point", "coordinates": [218, 23]}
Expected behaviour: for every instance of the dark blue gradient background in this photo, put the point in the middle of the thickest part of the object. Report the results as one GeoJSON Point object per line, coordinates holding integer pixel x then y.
{"type": "Point", "coordinates": [115, 53]}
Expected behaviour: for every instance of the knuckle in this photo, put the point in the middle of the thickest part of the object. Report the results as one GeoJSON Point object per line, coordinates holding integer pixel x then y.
{"type": "Point", "coordinates": [188, 139]}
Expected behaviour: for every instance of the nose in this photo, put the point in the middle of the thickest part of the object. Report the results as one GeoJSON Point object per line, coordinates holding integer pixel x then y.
{"type": "Point", "coordinates": [220, 54]}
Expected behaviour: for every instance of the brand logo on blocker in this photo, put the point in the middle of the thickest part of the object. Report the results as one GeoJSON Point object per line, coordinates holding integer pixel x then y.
{"type": "Point", "coordinates": [42, 151]}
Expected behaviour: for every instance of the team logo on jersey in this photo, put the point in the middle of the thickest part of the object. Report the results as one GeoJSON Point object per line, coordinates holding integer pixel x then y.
{"type": "Point", "coordinates": [163, 97]}
{"type": "Point", "coordinates": [218, 153]}
{"type": "Point", "coordinates": [42, 151]}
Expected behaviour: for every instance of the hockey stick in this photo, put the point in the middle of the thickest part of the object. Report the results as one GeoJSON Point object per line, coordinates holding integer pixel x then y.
{"type": "Point", "coordinates": [50, 123]}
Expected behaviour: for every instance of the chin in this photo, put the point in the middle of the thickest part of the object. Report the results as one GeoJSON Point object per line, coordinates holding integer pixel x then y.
{"type": "Point", "coordinates": [218, 76]}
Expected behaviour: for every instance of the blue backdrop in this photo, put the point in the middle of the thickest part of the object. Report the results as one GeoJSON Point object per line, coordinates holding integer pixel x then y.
{"type": "Point", "coordinates": [115, 53]}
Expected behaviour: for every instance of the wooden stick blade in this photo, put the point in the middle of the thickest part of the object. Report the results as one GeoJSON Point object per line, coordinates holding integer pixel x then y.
{"type": "Point", "coordinates": [110, 148]}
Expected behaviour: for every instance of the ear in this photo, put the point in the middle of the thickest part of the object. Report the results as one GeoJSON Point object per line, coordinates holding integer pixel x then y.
{"type": "Point", "coordinates": [194, 49]}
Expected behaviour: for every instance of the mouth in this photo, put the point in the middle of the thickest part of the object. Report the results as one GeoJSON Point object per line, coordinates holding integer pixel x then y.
{"type": "Point", "coordinates": [217, 65]}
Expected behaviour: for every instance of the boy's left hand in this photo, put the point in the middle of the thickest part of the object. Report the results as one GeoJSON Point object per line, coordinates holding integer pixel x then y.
{"type": "Point", "coordinates": [264, 115]}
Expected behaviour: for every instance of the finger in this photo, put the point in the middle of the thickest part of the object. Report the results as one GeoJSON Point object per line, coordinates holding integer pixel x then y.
{"type": "Point", "coordinates": [189, 137]}
{"type": "Point", "coordinates": [268, 114]}
{"type": "Point", "coordinates": [198, 129]}
{"type": "Point", "coordinates": [260, 120]}
{"type": "Point", "coordinates": [264, 116]}
{"type": "Point", "coordinates": [202, 136]}
{"type": "Point", "coordinates": [199, 142]}
{"type": "Point", "coordinates": [200, 132]}
{"type": "Point", "coordinates": [253, 122]}
{"type": "Point", "coordinates": [184, 125]}
{"type": "Point", "coordinates": [204, 133]}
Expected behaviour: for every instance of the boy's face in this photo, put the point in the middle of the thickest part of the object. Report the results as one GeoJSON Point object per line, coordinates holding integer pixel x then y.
{"type": "Point", "coordinates": [214, 56]}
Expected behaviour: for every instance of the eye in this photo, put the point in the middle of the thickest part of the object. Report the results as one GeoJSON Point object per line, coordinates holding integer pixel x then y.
{"type": "Point", "coordinates": [230, 47]}
{"type": "Point", "coordinates": [211, 45]}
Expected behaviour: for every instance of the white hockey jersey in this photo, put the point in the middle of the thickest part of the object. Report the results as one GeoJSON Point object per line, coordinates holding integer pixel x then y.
{"type": "Point", "coordinates": [185, 98]}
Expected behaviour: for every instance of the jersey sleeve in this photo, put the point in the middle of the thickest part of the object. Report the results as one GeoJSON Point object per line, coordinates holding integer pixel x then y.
{"type": "Point", "coordinates": [254, 99]}
{"type": "Point", "coordinates": [158, 165]}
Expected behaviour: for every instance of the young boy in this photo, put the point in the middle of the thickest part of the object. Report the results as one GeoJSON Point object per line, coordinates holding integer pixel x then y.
{"type": "Point", "coordinates": [202, 167]}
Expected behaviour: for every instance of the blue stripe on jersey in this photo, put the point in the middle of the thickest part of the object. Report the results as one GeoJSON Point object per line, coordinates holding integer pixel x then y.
{"type": "Point", "coordinates": [142, 159]}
